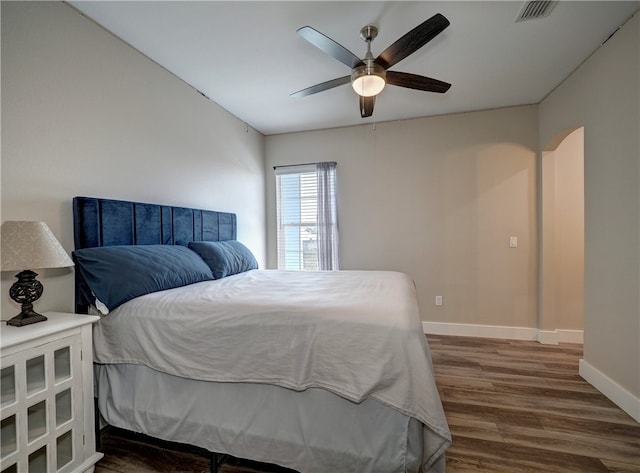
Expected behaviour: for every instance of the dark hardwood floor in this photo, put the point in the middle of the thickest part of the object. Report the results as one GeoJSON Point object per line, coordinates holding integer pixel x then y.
{"type": "Point", "coordinates": [512, 406]}
{"type": "Point", "coordinates": [516, 406]}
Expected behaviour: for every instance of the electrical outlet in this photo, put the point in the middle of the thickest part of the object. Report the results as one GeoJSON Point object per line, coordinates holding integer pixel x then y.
{"type": "Point", "coordinates": [438, 300]}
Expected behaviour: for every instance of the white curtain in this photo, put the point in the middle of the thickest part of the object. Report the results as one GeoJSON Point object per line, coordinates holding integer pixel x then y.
{"type": "Point", "coordinates": [327, 217]}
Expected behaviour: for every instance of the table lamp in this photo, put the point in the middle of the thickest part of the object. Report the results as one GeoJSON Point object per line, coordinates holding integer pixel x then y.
{"type": "Point", "coordinates": [27, 246]}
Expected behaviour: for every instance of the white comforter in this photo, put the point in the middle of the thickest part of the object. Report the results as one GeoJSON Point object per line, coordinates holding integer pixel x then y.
{"type": "Point", "coordinates": [355, 333]}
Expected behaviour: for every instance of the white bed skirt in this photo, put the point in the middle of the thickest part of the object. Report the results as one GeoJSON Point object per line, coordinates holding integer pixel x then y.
{"type": "Point", "coordinates": [313, 431]}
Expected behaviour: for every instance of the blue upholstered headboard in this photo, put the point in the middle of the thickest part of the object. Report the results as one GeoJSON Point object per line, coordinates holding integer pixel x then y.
{"type": "Point", "coordinates": [107, 222]}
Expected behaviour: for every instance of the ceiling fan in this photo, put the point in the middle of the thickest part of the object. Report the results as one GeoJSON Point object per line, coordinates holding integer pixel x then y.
{"type": "Point", "coordinates": [370, 75]}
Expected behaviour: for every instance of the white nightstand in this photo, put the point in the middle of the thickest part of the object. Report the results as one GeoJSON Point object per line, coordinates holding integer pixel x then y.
{"type": "Point", "coordinates": [47, 396]}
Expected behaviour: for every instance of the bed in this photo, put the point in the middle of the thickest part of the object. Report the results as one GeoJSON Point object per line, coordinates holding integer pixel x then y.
{"type": "Point", "coordinates": [313, 371]}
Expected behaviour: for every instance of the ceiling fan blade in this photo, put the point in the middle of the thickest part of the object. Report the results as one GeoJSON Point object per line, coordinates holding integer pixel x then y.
{"type": "Point", "coordinates": [412, 41]}
{"type": "Point", "coordinates": [330, 47]}
{"type": "Point", "coordinates": [314, 89]}
{"type": "Point", "coordinates": [414, 81]}
{"type": "Point", "coordinates": [366, 105]}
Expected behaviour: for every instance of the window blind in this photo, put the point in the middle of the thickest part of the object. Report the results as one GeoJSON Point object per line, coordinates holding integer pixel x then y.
{"type": "Point", "coordinates": [297, 217]}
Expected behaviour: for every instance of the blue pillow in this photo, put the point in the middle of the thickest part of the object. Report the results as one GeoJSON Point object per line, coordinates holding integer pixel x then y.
{"type": "Point", "coordinates": [116, 274]}
{"type": "Point", "coordinates": [225, 257]}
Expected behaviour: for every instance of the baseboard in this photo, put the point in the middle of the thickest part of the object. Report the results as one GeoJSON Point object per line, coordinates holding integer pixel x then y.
{"type": "Point", "coordinates": [547, 337]}
{"type": "Point", "coordinates": [570, 336]}
{"type": "Point", "coordinates": [482, 331]}
{"type": "Point", "coordinates": [624, 399]}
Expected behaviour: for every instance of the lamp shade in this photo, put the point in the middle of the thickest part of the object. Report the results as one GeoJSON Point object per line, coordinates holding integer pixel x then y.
{"type": "Point", "coordinates": [31, 245]}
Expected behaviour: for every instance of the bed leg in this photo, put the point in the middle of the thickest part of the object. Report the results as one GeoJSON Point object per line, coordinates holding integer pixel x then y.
{"type": "Point", "coordinates": [96, 419]}
{"type": "Point", "coordinates": [215, 461]}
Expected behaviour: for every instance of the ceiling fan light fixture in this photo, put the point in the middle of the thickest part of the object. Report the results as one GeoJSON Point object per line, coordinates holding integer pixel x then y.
{"type": "Point", "coordinates": [368, 80]}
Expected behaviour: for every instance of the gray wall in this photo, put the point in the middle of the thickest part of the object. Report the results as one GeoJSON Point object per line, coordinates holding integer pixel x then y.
{"type": "Point", "coordinates": [436, 198]}
{"type": "Point", "coordinates": [85, 114]}
{"type": "Point", "coordinates": [603, 96]}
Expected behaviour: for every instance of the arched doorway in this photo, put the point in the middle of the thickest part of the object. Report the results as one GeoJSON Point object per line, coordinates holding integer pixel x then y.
{"type": "Point", "coordinates": [561, 304]}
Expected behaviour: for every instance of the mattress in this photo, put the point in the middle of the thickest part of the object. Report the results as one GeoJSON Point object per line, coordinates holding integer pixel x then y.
{"type": "Point", "coordinates": [352, 336]}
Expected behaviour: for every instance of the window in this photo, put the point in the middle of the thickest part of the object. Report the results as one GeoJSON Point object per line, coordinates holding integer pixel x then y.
{"type": "Point", "coordinates": [307, 225]}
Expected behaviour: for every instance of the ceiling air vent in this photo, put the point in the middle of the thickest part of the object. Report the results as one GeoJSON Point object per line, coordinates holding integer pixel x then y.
{"type": "Point", "coordinates": [536, 9]}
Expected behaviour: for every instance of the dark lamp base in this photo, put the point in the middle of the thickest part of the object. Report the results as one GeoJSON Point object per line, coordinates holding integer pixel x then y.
{"type": "Point", "coordinates": [26, 317]}
{"type": "Point", "coordinates": [25, 291]}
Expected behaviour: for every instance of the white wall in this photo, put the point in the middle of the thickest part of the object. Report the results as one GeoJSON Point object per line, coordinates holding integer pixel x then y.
{"type": "Point", "coordinates": [603, 96]}
{"type": "Point", "coordinates": [85, 114]}
{"type": "Point", "coordinates": [436, 198]}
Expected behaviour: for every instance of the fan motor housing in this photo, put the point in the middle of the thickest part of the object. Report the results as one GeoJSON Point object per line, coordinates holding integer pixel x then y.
{"type": "Point", "coordinates": [369, 33]}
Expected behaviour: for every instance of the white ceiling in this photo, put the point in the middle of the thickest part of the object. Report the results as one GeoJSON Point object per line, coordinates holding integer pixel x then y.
{"type": "Point", "coordinates": [247, 57]}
